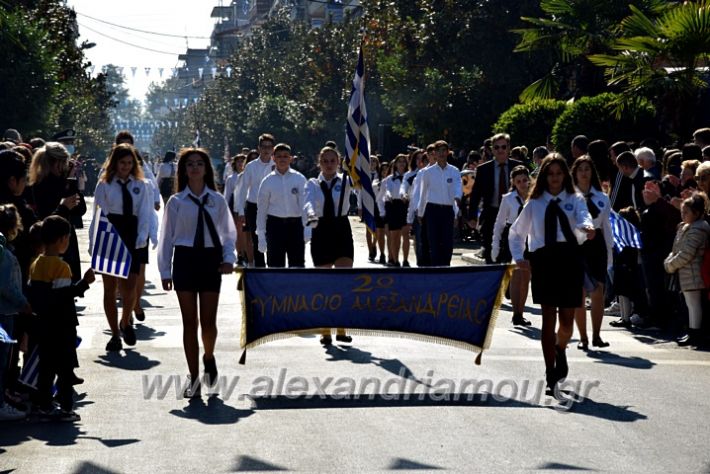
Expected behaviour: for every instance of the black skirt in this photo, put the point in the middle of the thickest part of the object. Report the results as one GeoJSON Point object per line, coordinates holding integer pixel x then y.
{"type": "Point", "coordinates": [166, 187]}
{"type": "Point", "coordinates": [332, 239]}
{"type": "Point", "coordinates": [127, 228]}
{"type": "Point", "coordinates": [504, 255]}
{"type": "Point", "coordinates": [396, 214]}
{"type": "Point", "coordinates": [595, 257]}
{"type": "Point", "coordinates": [197, 269]}
{"type": "Point", "coordinates": [379, 220]}
{"type": "Point", "coordinates": [557, 275]}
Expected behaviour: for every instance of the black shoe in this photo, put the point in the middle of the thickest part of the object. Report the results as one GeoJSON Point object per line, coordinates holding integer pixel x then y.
{"type": "Point", "coordinates": [114, 344]}
{"type": "Point", "coordinates": [561, 363]}
{"type": "Point", "coordinates": [519, 320]}
{"type": "Point", "coordinates": [343, 338]}
{"type": "Point", "coordinates": [583, 345]}
{"type": "Point", "coordinates": [597, 342]}
{"type": "Point", "coordinates": [140, 315]}
{"type": "Point", "coordinates": [326, 340]}
{"type": "Point", "coordinates": [620, 323]}
{"type": "Point", "coordinates": [129, 335]}
{"type": "Point", "coordinates": [689, 339]}
{"type": "Point", "coordinates": [383, 260]}
{"type": "Point", "coordinates": [193, 390]}
{"type": "Point", "coordinates": [551, 379]}
{"type": "Point", "coordinates": [405, 264]}
{"type": "Point", "coordinates": [372, 256]}
{"type": "Point", "coordinates": [210, 370]}
{"type": "Point", "coordinates": [76, 380]}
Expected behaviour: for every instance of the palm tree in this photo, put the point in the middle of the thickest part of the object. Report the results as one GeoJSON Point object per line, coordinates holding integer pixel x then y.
{"type": "Point", "coordinates": [664, 59]}
{"type": "Point", "coordinates": [571, 31]}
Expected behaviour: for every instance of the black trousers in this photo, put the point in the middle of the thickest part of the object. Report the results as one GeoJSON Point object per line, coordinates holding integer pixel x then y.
{"type": "Point", "coordinates": [439, 224]}
{"type": "Point", "coordinates": [284, 237]}
{"type": "Point", "coordinates": [421, 245]}
{"type": "Point", "coordinates": [250, 217]}
{"type": "Point", "coordinates": [487, 220]}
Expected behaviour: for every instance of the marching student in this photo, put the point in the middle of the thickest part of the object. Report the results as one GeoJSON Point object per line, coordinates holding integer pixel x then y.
{"type": "Point", "coordinates": [553, 220]}
{"type": "Point", "coordinates": [279, 224]}
{"type": "Point", "coordinates": [378, 238]}
{"type": "Point", "coordinates": [51, 294]}
{"type": "Point", "coordinates": [166, 176]}
{"type": "Point", "coordinates": [394, 209]}
{"type": "Point", "coordinates": [378, 189]}
{"type": "Point", "coordinates": [326, 212]}
{"type": "Point", "coordinates": [246, 207]}
{"type": "Point", "coordinates": [597, 252]}
{"type": "Point", "coordinates": [421, 249]}
{"type": "Point", "coordinates": [230, 195]}
{"type": "Point", "coordinates": [440, 191]}
{"type": "Point", "coordinates": [415, 158]}
{"type": "Point", "coordinates": [511, 205]}
{"type": "Point", "coordinates": [196, 248]}
{"type": "Point", "coordinates": [127, 200]}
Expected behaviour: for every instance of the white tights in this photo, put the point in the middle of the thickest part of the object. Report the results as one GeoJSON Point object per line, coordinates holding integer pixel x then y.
{"type": "Point", "coordinates": [695, 308]}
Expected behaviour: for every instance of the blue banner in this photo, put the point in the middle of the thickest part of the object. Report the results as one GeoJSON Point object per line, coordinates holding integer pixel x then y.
{"type": "Point", "coordinates": [454, 306]}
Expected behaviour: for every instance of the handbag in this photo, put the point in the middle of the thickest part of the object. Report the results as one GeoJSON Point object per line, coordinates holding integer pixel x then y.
{"type": "Point", "coordinates": [673, 282]}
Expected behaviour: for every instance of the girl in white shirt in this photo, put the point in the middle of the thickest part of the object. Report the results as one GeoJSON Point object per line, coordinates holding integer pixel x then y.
{"type": "Point", "coordinates": [199, 227]}
{"type": "Point", "coordinates": [394, 209]}
{"type": "Point", "coordinates": [554, 221]}
{"type": "Point", "coordinates": [127, 200]}
{"type": "Point", "coordinates": [332, 239]}
{"type": "Point", "coordinates": [597, 251]}
{"type": "Point", "coordinates": [511, 206]}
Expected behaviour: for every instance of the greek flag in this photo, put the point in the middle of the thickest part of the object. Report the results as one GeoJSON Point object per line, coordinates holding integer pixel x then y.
{"type": "Point", "coordinates": [109, 255]}
{"type": "Point", "coordinates": [357, 145]}
{"type": "Point", "coordinates": [624, 233]}
{"type": "Point", "coordinates": [30, 369]}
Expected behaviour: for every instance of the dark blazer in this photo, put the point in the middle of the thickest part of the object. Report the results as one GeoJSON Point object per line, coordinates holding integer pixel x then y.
{"type": "Point", "coordinates": [484, 184]}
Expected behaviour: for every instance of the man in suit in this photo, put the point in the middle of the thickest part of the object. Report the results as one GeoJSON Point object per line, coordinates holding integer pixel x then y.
{"type": "Point", "coordinates": [492, 181]}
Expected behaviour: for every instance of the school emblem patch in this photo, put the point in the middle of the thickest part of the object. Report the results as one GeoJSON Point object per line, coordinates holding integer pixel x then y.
{"type": "Point", "coordinates": [449, 180]}
{"type": "Point", "coordinates": [601, 203]}
{"type": "Point", "coordinates": [136, 190]}
{"type": "Point", "coordinates": [337, 188]}
{"type": "Point", "coordinates": [294, 190]}
{"type": "Point", "coordinates": [568, 207]}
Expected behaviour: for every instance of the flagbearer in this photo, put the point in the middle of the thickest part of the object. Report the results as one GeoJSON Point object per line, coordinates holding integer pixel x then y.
{"type": "Point", "coordinates": [326, 212]}
{"type": "Point", "coordinates": [198, 226]}
{"type": "Point", "coordinates": [127, 200]}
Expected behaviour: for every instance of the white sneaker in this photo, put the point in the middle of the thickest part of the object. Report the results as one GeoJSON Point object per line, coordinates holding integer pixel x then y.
{"type": "Point", "coordinates": [614, 309]}
{"type": "Point", "coordinates": [9, 413]}
{"type": "Point", "coordinates": [637, 320]}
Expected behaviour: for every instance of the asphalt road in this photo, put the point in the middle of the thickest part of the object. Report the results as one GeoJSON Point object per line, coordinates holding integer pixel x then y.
{"type": "Point", "coordinates": [639, 405]}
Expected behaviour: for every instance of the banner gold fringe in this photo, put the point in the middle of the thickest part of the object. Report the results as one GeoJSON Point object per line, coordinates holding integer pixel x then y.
{"type": "Point", "coordinates": [374, 332]}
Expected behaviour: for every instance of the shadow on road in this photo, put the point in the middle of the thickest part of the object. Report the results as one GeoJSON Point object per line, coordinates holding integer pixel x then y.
{"type": "Point", "coordinates": [358, 356]}
{"type": "Point", "coordinates": [249, 463]}
{"type": "Point", "coordinates": [556, 466]}
{"type": "Point", "coordinates": [633, 362]}
{"type": "Point", "coordinates": [214, 412]}
{"type": "Point", "coordinates": [605, 411]}
{"type": "Point", "coordinates": [147, 333]}
{"type": "Point", "coordinates": [401, 464]}
{"type": "Point", "coordinates": [129, 359]}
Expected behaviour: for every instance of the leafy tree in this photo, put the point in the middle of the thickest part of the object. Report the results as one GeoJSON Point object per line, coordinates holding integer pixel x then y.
{"type": "Point", "coordinates": [664, 59]}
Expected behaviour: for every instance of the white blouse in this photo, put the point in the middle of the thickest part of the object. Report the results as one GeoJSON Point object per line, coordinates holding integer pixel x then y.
{"type": "Point", "coordinates": [109, 197]}
{"type": "Point", "coordinates": [530, 224]}
{"type": "Point", "coordinates": [507, 213]}
{"type": "Point", "coordinates": [280, 195]}
{"type": "Point", "coordinates": [180, 225]}
{"type": "Point", "coordinates": [602, 221]}
{"type": "Point", "coordinates": [314, 197]}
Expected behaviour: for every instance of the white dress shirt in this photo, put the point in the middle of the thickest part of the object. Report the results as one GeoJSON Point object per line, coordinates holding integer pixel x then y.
{"type": "Point", "coordinates": [150, 177]}
{"type": "Point", "coordinates": [180, 226]}
{"type": "Point", "coordinates": [507, 213]}
{"type": "Point", "coordinates": [280, 195]}
{"type": "Point", "coordinates": [166, 170]}
{"type": "Point", "coordinates": [109, 197]}
{"type": "Point", "coordinates": [439, 186]}
{"type": "Point", "coordinates": [407, 184]}
{"type": "Point", "coordinates": [530, 223]}
{"type": "Point", "coordinates": [389, 190]}
{"type": "Point", "coordinates": [230, 186]}
{"type": "Point", "coordinates": [602, 221]}
{"type": "Point", "coordinates": [314, 197]}
{"type": "Point", "coordinates": [254, 173]}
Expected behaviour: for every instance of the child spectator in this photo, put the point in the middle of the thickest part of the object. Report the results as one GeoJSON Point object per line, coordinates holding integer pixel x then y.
{"type": "Point", "coordinates": [12, 301]}
{"type": "Point", "coordinates": [52, 293]}
{"type": "Point", "coordinates": [686, 258]}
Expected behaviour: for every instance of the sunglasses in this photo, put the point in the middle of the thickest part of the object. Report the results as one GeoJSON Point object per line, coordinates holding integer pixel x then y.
{"type": "Point", "coordinates": [500, 147]}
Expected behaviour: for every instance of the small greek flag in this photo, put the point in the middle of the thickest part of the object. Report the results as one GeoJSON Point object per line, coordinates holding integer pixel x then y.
{"type": "Point", "coordinates": [624, 233]}
{"type": "Point", "coordinates": [109, 255]}
{"type": "Point", "coordinates": [30, 369]}
{"type": "Point", "coordinates": [5, 337]}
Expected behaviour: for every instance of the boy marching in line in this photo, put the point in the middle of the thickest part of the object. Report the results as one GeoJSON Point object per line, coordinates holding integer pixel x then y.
{"type": "Point", "coordinates": [245, 204]}
{"type": "Point", "coordinates": [440, 190]}
{"type": "Point", "coordinates": [280, 200]}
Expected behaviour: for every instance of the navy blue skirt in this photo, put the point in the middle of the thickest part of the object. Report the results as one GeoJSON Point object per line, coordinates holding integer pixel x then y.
{"type": "Point", "coordinates": [197, 269]}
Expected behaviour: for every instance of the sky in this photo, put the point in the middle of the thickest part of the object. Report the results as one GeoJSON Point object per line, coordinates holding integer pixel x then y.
{"type": "Point", "coordinates": [174, 17]}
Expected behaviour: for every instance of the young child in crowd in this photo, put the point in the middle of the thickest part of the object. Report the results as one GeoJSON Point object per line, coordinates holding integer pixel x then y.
{"type": "Point", "coordinates": [12, 301]}
{"type": "Point", "coordinates": [686, 258]}
{"type": "Point", "coordinates": [52, 294]}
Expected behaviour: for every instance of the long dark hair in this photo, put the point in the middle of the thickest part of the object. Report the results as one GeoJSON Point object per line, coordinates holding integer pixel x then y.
{"type": "Point", "coordinates": [181, 181]}
{"type": "Point", "coordinates": [541, 184]}
{"type": "Point", "coordinates": [118, 152]}
{"type": "Point", "coordinates": [596, 184]}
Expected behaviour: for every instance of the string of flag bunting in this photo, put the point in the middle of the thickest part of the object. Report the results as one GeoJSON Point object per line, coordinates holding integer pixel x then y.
{"type": "Point", "coordinates": [165, 73]}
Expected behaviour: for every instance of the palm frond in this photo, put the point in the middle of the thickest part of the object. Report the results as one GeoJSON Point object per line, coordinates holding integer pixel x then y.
{"type": "Point", "coordinates": [543, 88]}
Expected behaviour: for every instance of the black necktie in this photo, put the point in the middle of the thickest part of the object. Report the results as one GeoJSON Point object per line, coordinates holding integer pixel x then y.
{"type": "Point", "coordinates": [553, 215]}
{"type": "Point", "coordinates": [520, 204]}
{"type": "Point", "coordinates": [328, 203]}
{"type": "Point", "coordinates": [593, 209]}
{"type": "Point", "coordinates": [204, 217]}
{"type": "Point", "coordinates": [397, 178]}
{"type": "Point", "coordinates": [501, 182]}
{"type": "Point", "coordinates": [127, 199]}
